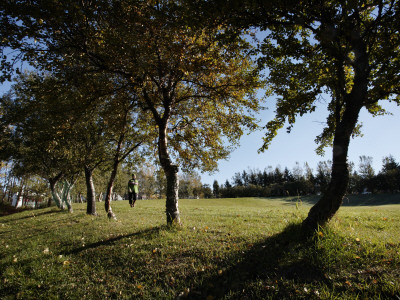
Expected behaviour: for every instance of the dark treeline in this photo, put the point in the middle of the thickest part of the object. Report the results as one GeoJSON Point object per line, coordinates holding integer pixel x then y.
{"type": "Point", "coordinates": [302, 180]}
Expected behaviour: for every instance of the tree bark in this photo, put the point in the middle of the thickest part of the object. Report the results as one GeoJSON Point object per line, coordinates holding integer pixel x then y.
{"type": "Point", "coordinates": [66, 195]}
{"type": "Point", "coordinates": [332, 199]}
{"type": "Point", "coordinates": [90, 199]}
{"type": "Point", "coordinates": [55, 195]}
{"type": "Point", "coordinates": [110, 185]}
{"type": "Point", "coordinates": [352, 103]}
{"type": "Point", "coordinates": [172, 211]}
{"type": "Point", "coordinates": [171, 173]}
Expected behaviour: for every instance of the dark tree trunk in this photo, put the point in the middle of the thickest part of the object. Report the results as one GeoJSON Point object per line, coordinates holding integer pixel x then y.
{"type": "Point", "coordinates": [55, 197]}
{"type": "Point", "coordinates": [332, 199]}
{"type": "Point", "coordinates": [90, 201]}
{"type": "Point", "coordinates": [107, 202]}
{"type": "Point", "coordinates": [52, 182]}
{"type": "Point", "coordinates": [352, 103]}
{"type": "Point", "coordinates": [172, 210]}
{"type": "Point", "coordinates": [171, 173]}
{"type": "Point", "coordinates": [11, 189]}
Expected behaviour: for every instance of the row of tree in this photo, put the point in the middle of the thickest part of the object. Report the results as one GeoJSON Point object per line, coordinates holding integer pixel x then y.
{"type": "Point", "coordinates": [119, 82]}
{"type": "Point", "coordinates": [34, 189]}
{"type": "Point", "coordinates": [114, 82]}
{"type": "Point", "coordinates": [303, 181]}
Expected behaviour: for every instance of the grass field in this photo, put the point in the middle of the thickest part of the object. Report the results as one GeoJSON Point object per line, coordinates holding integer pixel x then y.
{"type": "Point", "coordinates": [246, 248]}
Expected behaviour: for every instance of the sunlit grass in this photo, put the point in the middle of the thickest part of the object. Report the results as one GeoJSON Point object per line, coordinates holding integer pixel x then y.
{"type": "Point", "coordinates": [227, 248]}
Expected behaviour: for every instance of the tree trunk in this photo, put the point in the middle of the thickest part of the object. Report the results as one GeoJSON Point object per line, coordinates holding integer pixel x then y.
{"type": "Point", "coordinates": [54, 194]}
{"type": "Point", "coordinates": [107, 202]}
{"type": "Point", "coordinates": [352, 103]}
{"type": "Point", "coordinates": [90, 199]}
{"type": "Point", "coordinates": [66, 195]}
{"type": "Point", "coordinates": [332, 199]}
{"type": "Point", "coordinates": [172, 211]}
{"type": "Point", "coordinates": [171, 173]}
{"type": "Point", "coordinates": [56, 197]}
{"type": "Point", "coordinates": [11, 189]}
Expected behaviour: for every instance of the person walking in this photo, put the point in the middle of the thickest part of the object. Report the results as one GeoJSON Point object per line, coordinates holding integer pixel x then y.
{"type": "Point", "coordinates": [133, 190]}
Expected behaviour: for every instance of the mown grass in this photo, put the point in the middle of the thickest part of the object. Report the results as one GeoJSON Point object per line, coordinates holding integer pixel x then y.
{"type": "Point", "coordinates": [227, 249]}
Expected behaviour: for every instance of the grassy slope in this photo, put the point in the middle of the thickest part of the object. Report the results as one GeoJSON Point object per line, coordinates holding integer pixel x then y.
{"type": "Point", "coordinates": [227, 248]}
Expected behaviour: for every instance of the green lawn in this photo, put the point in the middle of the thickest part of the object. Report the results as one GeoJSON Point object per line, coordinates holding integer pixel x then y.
{"type": "Point", "coordinates": [247, 248]}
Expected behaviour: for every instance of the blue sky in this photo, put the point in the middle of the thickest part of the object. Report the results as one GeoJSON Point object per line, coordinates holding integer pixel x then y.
{"type": "Point", "coordinates": [381, 138]}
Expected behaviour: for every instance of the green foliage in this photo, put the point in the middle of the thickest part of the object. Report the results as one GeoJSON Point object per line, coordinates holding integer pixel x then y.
{"type": "Point", "coordinates": [253, 246]}
{"type": "Point", "coordinates": [197, 84]}
{"type": "Point", "coordinates": [348, 52]}
{"type": "Point", "coordinates": [37, 111]}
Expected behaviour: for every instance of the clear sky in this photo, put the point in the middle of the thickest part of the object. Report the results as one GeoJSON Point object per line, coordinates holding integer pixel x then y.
{"type": "Point", "coordinates": [381, 138]}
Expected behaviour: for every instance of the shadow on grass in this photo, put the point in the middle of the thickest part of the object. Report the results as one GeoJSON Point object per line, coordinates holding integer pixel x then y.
{"type": "Point", "coordinates": [354, 200]}
{"type": "Point", "coordinates": [265, 270]}
{"type": "Point", "coordinates": [35, 213]}
{"type": "Point", "coordinates": [112, 241]}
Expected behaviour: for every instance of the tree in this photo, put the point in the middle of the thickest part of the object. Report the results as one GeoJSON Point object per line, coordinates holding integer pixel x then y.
{"type": "Point", "coordinates": [41, 138]}
{"type": "Point", "coordinates": [365, 168]}
{"type": "Point", "coordinates": [237, 179]}
{"type": "Point", "coordinates": [323, 176]}
{"type": "Point", "coordinates": [388, 178]}
{"type": "Point", "coordinates": [227, 184]}
{"type": "Point", "coordinates": [196, 80]}
{"type": "Point", "coordinates": [216, 189]}
{"type": "Point", "coordinates": [206, 191]}
{"type": "Point", "coordinates": [190, 185]}
{"type": "Point", "coordinates": [147, 179]}
{"type": "Point", "coordinates": [347, 51]}
{"type": "Point", "coordinates": [127, 130]}
{"type": "Point", "coordinates": [366, 173]}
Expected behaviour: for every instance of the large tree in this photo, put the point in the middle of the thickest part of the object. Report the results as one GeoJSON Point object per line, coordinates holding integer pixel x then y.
{"type": "Point", "coordinates": [40, 141]}
{"type": "Point", "coordinates": [344, 51]}
{"type": "Point", "coordinates": [196, 81]}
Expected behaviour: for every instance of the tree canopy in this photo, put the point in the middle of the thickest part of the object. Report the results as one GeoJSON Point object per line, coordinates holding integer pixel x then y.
{"type": "Point", "coordinates": [345, 52]}
{"type": "Point", "coordinates": [197, 81]}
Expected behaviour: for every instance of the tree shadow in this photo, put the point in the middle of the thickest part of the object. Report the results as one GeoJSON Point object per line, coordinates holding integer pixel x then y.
{"type": "Point", "coordinates": [33, 215]}
{"type": "Point", "coordinates": [269, 263]}
{"type": "Point", "coordinates": [112, 241]}
{"type": "Point", "coordinates": [353, 200]}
